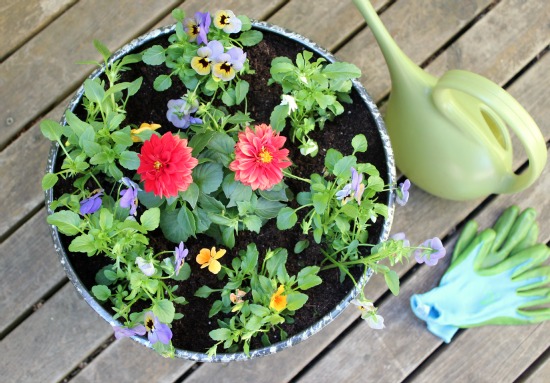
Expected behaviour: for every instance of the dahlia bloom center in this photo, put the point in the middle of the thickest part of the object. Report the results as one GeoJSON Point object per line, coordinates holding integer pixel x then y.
{"type": "Point", "coordinates": [265, 156]}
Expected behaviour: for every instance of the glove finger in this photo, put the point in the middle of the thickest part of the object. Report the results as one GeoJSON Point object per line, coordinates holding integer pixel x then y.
{"type": "Point", "coordinates": [503, 225]}
{"type": "Point", "coordinates": [535, 297]}
{"type": "Point", "coordinates": [535, 278]}
{"type": "Point", "coordinates": [536, 316]}
{"type": "Point", "coordinates": [522, 261]}
{"type": "Point", "coordinates": [478, 248]}
{"type": "Point", "coordinates": [529, 240]}
{"type": "Point", "coordinates": [513, 236]}
{"type": "Point", "coordinates": [468, 233]}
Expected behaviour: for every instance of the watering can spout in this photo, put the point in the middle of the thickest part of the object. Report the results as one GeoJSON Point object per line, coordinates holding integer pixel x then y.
{"type": "Point", "coordinates": [450, 135]}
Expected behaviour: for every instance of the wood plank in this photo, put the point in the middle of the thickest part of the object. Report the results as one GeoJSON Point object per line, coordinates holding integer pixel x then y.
{"type": "Point", "coordinates": [418, 27]}
{"type": "Point", "coordinates": [29, 269]}
{"type": "Point", "coordinates": [395, 352]}
{"type": "Point", "coordinates": [306, 16]}
{"type": "Point", "coordinates": [541, 373]}
{"type": "Point", "coordinates": [31, 16]}
{"type": "Point", "coordinates": [126, 361]}
{"type": "Point", "coordinates": [53, 341]}
{"type": "Point", "coordinates": [45, 67]}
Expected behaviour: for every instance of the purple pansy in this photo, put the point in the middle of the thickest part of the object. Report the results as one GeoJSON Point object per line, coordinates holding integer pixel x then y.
{"type": "Point", "coordinates": [403, 193]}
{"type": "Point", "coordinates": [180, 253]}
{"type": "Point", "coordinates": [179, 113]}
{"type": "Point", "coordinates": [430, 252]}
{"type": "Point", "coordinates": [229, 63]}
{"type": "Point", "coordinates": [357, 185]}
{"type": "Point", "coordinates": [129, 196]}
{"type": "Point", "coordinates": [344, 192]}
{"type": "Point", "coordinates": [198, 27]}
{"type": "Point", "coordinates": [156, 331]}
{"type": "Point", "coordinates": [146, 268]}
{"type": "Point", "coordinates": [92, 204]}
{"type": "Point", "coordinates": [206, 55]}
{"type": "Point", "coordinates": [122, 332]}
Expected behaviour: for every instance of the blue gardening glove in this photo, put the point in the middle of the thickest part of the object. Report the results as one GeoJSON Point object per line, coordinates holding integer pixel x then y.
{"type": "Point", "coordinates": [495, 277]}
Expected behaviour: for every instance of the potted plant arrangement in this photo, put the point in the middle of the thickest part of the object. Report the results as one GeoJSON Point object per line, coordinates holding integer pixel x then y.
{"type": "Point", "coordinates": [222, 189]}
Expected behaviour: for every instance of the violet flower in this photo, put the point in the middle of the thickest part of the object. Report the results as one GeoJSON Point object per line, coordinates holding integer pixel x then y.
{"type": "Point", "coordinates": [156, 331]}
{"type": "Point", "coordinates": [129, 196]}
{"type": "Point", "coordinates": [146, 268]}
{"type": "Point", "coordinates": [403, 193]}
{"type": "Point", "coordinates": [92, 204]}
{"type": "Point", "coordinates": [430, 252]}
{"type": "Point", "coordinates": [344, 192]}
{"type": "Point", "coordinates": [206, 55]}
{"type": "Point", "coordinates": [229, 63]}
{"type": "Point", "coordinates": [198, 27]}
{"type": "Point", "coordinates": [179, 113]}
{"type": "Point", "coordinates": [122, 332]}
{"type": "Point", "coordinates": [180, 253]}
{"type": "Point", "coordinates": [357, 185]}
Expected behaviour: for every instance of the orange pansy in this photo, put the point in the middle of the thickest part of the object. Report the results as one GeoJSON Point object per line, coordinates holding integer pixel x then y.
{"type": "Point", "coordinates": [209, 257]}
{"type": "Point", "coordinates": [278, 301]}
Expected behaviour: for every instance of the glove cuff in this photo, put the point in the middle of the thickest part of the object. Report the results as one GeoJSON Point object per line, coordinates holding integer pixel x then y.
{"type": "Point", "coordinates": [430, 314]}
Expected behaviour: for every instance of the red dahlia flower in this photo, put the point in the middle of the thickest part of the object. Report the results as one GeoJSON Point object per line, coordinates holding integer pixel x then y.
{"type": "Point", "coordinates": [259, 159]}
{"type": "Point", "coordinates": [166, 164]}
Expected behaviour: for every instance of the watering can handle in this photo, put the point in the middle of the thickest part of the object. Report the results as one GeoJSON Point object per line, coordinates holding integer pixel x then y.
{"type": "Point", "coordinates": [497, 101]}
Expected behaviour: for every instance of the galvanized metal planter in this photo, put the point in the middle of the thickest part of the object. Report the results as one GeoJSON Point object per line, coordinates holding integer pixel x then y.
{"type": "Point", "coordinates": [134, 46]}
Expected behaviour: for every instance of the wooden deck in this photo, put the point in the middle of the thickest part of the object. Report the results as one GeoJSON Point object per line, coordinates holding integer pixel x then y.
{"type": "Point", "coordinates": [49, 334]}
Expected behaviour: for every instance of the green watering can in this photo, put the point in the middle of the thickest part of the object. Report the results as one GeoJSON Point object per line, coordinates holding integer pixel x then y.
{"type": "Point", "coordinates": [450, 135]}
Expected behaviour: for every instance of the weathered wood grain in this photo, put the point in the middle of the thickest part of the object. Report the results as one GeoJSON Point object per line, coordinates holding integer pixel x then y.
{"type": "Point", "coordinates": [311, 19]}
{"type": "Point", "coordinates": [126, 361]}
{"type": "Point", "coordinates": [29, 269]}
{"type": "Point", "coordinates": [52, 341]}
{"type": "Point", "coordinates": [418, 27]}
{"type": "Point", "coordinates": [540, 374]}
{"type": "Point", "coordinates": [45, 66]}
{"type": "Point", "coordinates": [21, 20]}
{"type": "Point", "coordinates": [395, 352]}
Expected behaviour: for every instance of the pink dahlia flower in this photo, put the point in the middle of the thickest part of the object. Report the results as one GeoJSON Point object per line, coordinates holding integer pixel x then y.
{"type": "Point", "coordinates": [259, 158]}
{"type": "Point", "coordinates": [166, 165]}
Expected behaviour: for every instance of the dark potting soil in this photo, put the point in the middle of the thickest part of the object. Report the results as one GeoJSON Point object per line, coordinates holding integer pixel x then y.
{"type": "Point", "coordinates": [191, 332]}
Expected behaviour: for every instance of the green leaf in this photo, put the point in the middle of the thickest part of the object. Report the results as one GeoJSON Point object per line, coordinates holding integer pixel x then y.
{"type": "Point", "coordinates": [220, 334]}
{"type": "Point", "coordinates": [295, 301]}
{"type": "Point", "coordinates": [301, 246]}
{"type": "Point", "coordinates": [102, 49]}
{"type": "Point", "coordinates": [178, 14]}
{"type": "Point", "coordinates": [277, 120]}
{"type": "Point", "coordinates": [216, 307]}
{"type": "Point", "coordinates": [122, 137]}
{"type": "Point", "coordinates": [228, 237]}
{"type": "Point", "coordinates": [67, 222]}
{"type": "Point", "coordinates": [341, 70]}
{"type": "Point", "coordinates": [344, 165]}
{"type": "Point", "coordinates": [162, 82]}
{"type": "Point", "coordinates": [320, 202]}
{"type": "Point", "coordinates": [222, 143]}
{"type": "Point", "coordinates": [199, 141]}
{"type": "Point", "coordinates": [266, 209]}
{"type": "Point", "coordinates": [286, 218]}
{"type": "Point", "coordinates": [250, 260]}
{"type": "Point", "coordinates": [241, 90]}
{"type": "Point", "coordinates": [204, 292]}
{"type": "Point", "coordinates": [150, 219]}
{"type": "Point", "coordinates": [359, 143]}
{"type": "Point", "coordinates": [308, 278]}
{"type": "Point", "coordinates": [51, 130]}
{"type": "Point", "coordinates": [164, 310]}
{"type": "Point", "coordinates": [129, 160]}
{"type": "Point", "coordinates": [191, 195]}
{"type": "Point", "coordinates": [259, 310]}
{"type": "Point", "coordinates": [154, 55]}
{"type": "Point", "coordinates": [178, 225]}
{"type": "Point", "coordinates": [250, 38]}
{"type": "Point", "coordinates": [49, 180]}
{"type": "Point", "coordinates": [83, 244]}
{"type": "Point", "coordinates": [94, 91]}
{"type": "Point", "coordinates": [253, 323]}
{"type": "Point", "coordinates": [184, 273]}
{"type": "Point", "coordinates": [253, 223]}
{"type": "Point", "coordinates": [101, 292]}
{"type": "Point", "coordinates": [392, 280]}
{"type": "Point", "coordinates": [208, 176]}
{"type": "Point", "coordinates": [235, 190]}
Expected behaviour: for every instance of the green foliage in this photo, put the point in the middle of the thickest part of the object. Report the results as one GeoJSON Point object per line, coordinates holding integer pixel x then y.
{"type": "Point", "coordinates": [316, 88]}
{"type": "Point", "coordinates": [246, 299]}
